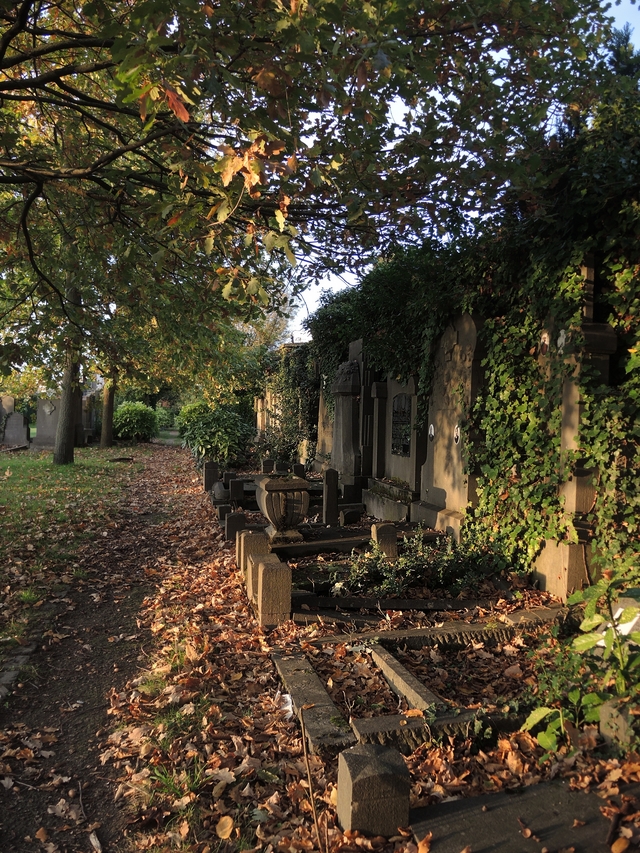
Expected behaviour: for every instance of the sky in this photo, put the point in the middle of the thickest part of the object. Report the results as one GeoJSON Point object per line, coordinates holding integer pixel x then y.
{"type": "Point", "coordinates": [625, 12]}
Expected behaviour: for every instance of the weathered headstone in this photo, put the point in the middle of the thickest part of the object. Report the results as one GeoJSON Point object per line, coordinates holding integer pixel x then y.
{"type": "Point", "coordinates": [268, 466]}
{"type": "Point", "coordinates": [233, 521]}
{"type": "Point", "coordinates": [282, 467]}
{"type": "Point", "coordinates": [46, 423]}
{"type": "Point", "coordinates": [373, 790]}
{"type": "Point", "coordinates": [210, 475]}
{"type": "Point", "coordinates": [227, 477]}
{"type": "Point", "coordinates": [16, 430]}
{"type": "Point", "coordinates": [345, 454]}
{"type": "Point", "coordinates": [274, 592]}
{"type": "Point", "coordinates": [236, 490]}
{"type": "Point", "coordinates": [223, 512]}
{"type": "Point", "coordinates": [387, 538]}
{"type": "Point", "coordinates": [350, 516]}
{"type": "Point", "coordinates": [298, 470]}
{"type": "Point", "coordinates": [330, 497]}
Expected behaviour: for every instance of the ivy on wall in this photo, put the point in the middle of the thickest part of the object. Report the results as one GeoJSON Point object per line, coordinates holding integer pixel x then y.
{"type": "Point", "coordinates": [295, 389]}
{"type": "Point", "coordinates": [522, 277]}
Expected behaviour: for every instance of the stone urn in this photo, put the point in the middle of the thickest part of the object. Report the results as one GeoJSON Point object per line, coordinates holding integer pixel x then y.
{"type": "Point", "coordinates": [284, 502]}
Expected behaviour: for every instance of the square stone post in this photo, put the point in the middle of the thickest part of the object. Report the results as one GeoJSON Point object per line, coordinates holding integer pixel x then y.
{"type": "Point", "coordinates": [330, 513]}
{"type": "Point", "coordinates": [274, 592]}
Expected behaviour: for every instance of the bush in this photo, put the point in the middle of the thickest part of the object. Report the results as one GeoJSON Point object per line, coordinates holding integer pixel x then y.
{"type": "Point", "coordinates": [221, 434]}
{"type": "Point", "coordinates": [164, 417]}
{"type": "Point", "coordinates": [135, 421]}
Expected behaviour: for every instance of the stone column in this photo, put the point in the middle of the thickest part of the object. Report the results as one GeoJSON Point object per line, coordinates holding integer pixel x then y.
{"type": "Point", "coordinates": [379, 395]}
{"type": "Point", "coordinates": [345, 456]}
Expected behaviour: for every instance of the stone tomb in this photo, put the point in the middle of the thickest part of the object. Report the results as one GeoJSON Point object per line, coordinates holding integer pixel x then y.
{"type": "Point", "coordinates": [447, 490]}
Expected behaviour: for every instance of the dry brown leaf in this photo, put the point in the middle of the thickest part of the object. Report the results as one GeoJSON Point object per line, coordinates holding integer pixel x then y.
{"type": "Point", "coordinates": [467, 849]}
{"type": "Point", "coordinates": [224, 827]}
{"type": "Point", "coordinates": [42, 834]}
{"type": "Point", "coordinates": [424, 846]}
{"type": "Point", "coordinates": [414, 712]}
{"type": "Point", "coordinates": [620, 845]}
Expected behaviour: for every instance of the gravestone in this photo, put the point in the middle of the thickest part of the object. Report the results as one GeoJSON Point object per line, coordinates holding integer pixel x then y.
{"type": "Point", "coordinates": [350, 516]}
{"type": "Point", "coordinates": [298, 470]}
{"type": "Point", "coordinates": [227, 477]}
{"type": "Point", "coordinates": [268, 466]}
{"type": "Point", "coordinates": [447, 490]}
{"type": "Point", "coordinates": [16, 430]}
{"type": "Point", "coordinates": [373, 790]}
{"type": "Point", "coordinates": [387, 538]}
{"type": "Point", "coordinates": [47, 423]}
{"type": "Point", "coordinates": [236, 490]}
{"type": "Point", "coordinates": [210, 475]}
{"type": "Point", "coordinates": [7, 405]}
{"type": "Point", "coordinates": [282, 467]}
{"type": "Point", "coordinates": [223, 512]}
{"type": "Point", "coordinates": [345, 454]}
{"type": "Point", "coordinates": [330, 497]}
{"type": "Point", "coordinates": [233, 522]}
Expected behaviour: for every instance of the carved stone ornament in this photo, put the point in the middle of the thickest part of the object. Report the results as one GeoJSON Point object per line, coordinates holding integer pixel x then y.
{"type": "Point", "coordinates": [347, 379]}
{"type": "Point", "coordinates": [48, 408]}
{"type": "Point", "coordinates": [284, 501]}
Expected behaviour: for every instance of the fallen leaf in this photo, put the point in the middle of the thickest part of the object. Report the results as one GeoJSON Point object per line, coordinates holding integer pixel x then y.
{"type": "Point", "coordinates": [224, 827]}
{"type": "Point", "coordinates": [424, 846]}
{"type": "Point", "coordinates": [42, 834]}
{"type": "Point", "coordinates": [95, 842]}
{"type": "Point", "coordinates": [620, 845]}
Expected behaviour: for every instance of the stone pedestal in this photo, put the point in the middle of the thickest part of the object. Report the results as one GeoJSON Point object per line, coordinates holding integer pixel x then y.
{"type": "Point", "coordinates": [284, 501]}
{"type": "Point", "coordinates": [274, 592]}
{"type": "Point", "coordinates": [373, 790]}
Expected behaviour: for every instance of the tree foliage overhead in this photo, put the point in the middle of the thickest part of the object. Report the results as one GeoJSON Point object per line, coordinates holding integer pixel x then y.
{"type": "Point", "coordinates": [243, 127]}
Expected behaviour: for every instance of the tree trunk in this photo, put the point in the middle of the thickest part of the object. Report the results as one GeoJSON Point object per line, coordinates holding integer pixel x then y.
{"type": "Point", "coordinates": [66, 431]}
{"type": "Point", "coordinates": [108, 399]}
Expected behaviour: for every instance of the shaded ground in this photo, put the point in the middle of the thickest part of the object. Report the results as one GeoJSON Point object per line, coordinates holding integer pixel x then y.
{"type": "Point", "coordinates": [149, 717]}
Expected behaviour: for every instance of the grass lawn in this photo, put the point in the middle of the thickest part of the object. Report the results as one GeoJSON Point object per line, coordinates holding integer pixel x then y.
{"type": "Point", "coordinates": [46, 511]}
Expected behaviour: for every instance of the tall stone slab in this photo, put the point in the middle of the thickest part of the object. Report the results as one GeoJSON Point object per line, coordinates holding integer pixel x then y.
{"type": "Point", "coordinates": [447, 490]}
{"type": "Point", "coordinates": [346, 456]}
{"type": "Point", "coordinates": [563, 566]}
{"type": "Point", "coordinates": [16, 430]}
{"type": "Point", "coordinates": [324, 446]}
{"type": "Point", "coordinates": [47, 423]}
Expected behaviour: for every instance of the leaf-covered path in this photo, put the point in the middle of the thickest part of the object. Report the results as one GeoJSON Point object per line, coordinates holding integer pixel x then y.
{"type": "Point", "coordinates": [149, 717]}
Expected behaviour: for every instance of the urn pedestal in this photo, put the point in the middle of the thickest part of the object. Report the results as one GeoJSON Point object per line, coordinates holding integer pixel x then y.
{"type": "Point", "coordinates": [284, 502]}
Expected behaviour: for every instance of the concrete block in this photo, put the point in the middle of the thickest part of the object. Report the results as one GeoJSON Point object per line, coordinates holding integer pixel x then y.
{"type": "Point", "coordinates": [330, 497]}
{"type": "Point", "coordinates": [254, 543]}
{"type": "Point", "coordinates": [233, 522]}
{"type": "Point", "coordinates": [253, 566]}
{"type": "Point", "coordinates": [223, 512]}
{"type": "Point", "coordinates": [298, 470]}
{"type": "Point", "coordinates": [210, 475]}
{"type": "Point", "coordinates": [268, 466]}
{"type": "Point", "coordinates": [387, 538]}
{"type": "Point", "coordinates": [274, 592]}
{"type": "Point", "coordinates": [373, 790]}
{"type": "Point", "coordinates": [236, 490]}
{"type": "Point", "coordinates": [385, 508]}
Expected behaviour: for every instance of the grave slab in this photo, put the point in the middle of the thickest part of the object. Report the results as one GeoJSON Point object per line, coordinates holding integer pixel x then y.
{"type": "Point", "coordinates": [404, 683]}
{"type": "Point", "coordinates": [327, 731]}
{"type": "Point", "coordinates": [233, 522]}
{"type": "Point", "coordinates": [236, 490]}
{"type": "Point", "coordinates": [490, 823]}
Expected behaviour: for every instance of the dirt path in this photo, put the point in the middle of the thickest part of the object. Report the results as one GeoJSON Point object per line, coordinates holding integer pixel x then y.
{"type": "Point", "coordinates": [55, 790]}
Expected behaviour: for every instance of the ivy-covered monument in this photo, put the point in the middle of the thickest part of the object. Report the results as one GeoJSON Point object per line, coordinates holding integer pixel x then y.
{"type": "Point", "coordinates": [490, 387]}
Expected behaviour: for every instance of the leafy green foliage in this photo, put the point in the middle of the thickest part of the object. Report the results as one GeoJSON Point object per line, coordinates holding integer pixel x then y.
{"type": "Point", "coordinates": [445, 565]}
{"type": "Point", "coordinates": [221, 434]}
{"type": "Point", "coordinates": [135, 422]}
{"type": "Point", "coordinates": [164, 417]}
{"type": "Point", "coordinates": [293, 397]}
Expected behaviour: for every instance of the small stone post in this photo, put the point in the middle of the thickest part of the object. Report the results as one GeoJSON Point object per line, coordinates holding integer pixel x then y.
{"type": "Point", "coordinates": [236, 490]}
{"type": "Point", "coordinates": [330, 497]}
{"type": "Point", "coordinates": [386, 537]}
{"type": "Point", "coordinates": [298, 470]}
{"type": "Point", "coordinates": [373, 790]}
{"type": "Point", "coordinates": [210, 475]}
{"type": "Point", "coordinates": [223, 512]}
{"type": "Point", "coordinates": [227, 477]}
{"type": "Point", "coordinates": [268, 466]}
{"type": "Point", "coordinates": [253, 543]}
{"type": "Point", "coordinates": [274, 592]}
{"type": "Point", "coordinates": [233, 522]}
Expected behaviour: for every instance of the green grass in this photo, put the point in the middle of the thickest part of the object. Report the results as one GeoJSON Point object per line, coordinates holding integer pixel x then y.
{"type": "Point", "coordinates": [46, 512]}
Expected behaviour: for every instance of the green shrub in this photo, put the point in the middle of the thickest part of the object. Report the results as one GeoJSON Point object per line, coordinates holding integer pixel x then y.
{"type": "Point", "coordinates": [164, 417]}
{"type": "Point", "coordinates": [441, 565]}
{"type": "Point", "coordinates": [135, 421]}
{"type": "Point", "coordinates": [220, 434]}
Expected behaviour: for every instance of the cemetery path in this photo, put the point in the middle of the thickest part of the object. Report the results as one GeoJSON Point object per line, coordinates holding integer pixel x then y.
{"type": "Point", "coordinates": [149, 716]}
